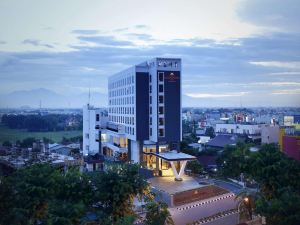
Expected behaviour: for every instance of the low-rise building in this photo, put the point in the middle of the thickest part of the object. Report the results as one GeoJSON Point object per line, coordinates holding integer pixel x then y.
{"type": "Point", "coordinates": [252, 130]}
{"type": "Point", "coordinates": [269, 134]}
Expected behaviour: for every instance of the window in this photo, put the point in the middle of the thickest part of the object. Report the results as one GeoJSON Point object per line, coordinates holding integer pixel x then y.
{"type": "Point", "coordinates": [150, 99]}
{"type": "Point", "coordinates": [161, 121]}
{"type": "Point", "coordinates": [97, 117]}
{"type": "Point", "coordinates": [150, 110]}
{"type": "Point", "coordinates": [161, 99]}
{"type": "Point", "coordinates": [150, 89]}
{"type": "Point", "coordinates": [161, 88]}
{"type": "Point", "coordinates": [161, 110]}
{"type": "Point", "coordinates": [150, 120]}
{"type": "Point", "coordinates": [150, 131]}
{"type": "Point", "coordinates": [161, 77]}
{"type": "Point", "coordinates": [161, 132]}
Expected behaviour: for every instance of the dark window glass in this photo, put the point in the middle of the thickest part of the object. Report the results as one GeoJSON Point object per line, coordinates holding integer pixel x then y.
{"type": "Point", "coordinates": [160, 76]}
{"type": "Point", "coordinates": [161, 110]}
{"type": "Point", "coordinates": [161, 99]}
{"type": "Point", "coordinates": [161, 121]}
{"type": "Point", "coordinates": [97, 117]}
{"type": "Point", "coordinates": [161, 88]}
{"type": "Point", "coordinates": [161, 132]}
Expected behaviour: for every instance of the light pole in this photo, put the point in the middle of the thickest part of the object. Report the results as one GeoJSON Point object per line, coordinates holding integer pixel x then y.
{"type": "Point", "coordinates": [245, 201]}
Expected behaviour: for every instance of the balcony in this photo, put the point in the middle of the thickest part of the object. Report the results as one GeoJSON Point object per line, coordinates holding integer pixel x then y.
{"type": "Point", "coordinates": [115, 147]}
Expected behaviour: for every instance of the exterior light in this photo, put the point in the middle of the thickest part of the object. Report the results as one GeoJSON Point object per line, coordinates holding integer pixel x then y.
{"type": "Point", "coordinates": [246, 199]}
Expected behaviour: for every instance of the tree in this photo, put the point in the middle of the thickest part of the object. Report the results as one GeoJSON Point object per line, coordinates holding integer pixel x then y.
{"type": "Point", "coordinates": [7, 144]}
{"type": "Point", "coordinates": [233, 160]}
{"type": "Point", "coordinates": [210, 132]}
{"type": "Point", "coordinates": [282, 210]}
{"type": "Point", "coordinates": [115, 189]}
{"type": "Point", "coordinates": [157, 214]}
{"type": "Point", "coordinates": [42, 194]}
{"type": "Point", "coordinates": [194, 166]}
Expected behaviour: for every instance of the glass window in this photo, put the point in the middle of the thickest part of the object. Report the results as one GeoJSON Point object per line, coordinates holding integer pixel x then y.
{"type": "Point", "coordinates": [161, 88]}
{"type": "Point", "coordinates": [161, 110]}
{"type": "Point", "coordinates": [161, 121]}
{"type": "Point", "coordinates": [161, 99]}
{"type": "Point", "coordinates": [161, 77]}
{"type": "Point", "coordinates": [161, 132]}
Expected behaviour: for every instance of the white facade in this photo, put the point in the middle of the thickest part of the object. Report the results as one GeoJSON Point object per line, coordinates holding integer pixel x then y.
{"type": "Point", "coordinates": [137, 110]}
{"type": "Point", "coordinates": [252, 130]}
{"type": "Point", "coordinates": [269, 134]}
{"type": "Point", "coordinates": [93, 121]}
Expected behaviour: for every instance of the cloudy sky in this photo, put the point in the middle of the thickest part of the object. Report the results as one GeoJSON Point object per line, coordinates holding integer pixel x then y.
{"type": "Point", "coordinates": [234, 52]}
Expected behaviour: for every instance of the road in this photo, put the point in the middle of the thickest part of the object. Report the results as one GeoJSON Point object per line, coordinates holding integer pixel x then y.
{"type": "Point", "coordinates": [194, 211]}
{"type": "Point", "coordinates": [235, 188]}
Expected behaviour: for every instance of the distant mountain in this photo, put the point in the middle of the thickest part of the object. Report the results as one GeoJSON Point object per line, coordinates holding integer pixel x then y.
{"type": "Point", "coordinates": [49, 99]}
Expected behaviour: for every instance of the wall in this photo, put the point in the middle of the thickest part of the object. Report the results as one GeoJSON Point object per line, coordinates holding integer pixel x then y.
{"type": "Point", "coordinates": [291, 146]}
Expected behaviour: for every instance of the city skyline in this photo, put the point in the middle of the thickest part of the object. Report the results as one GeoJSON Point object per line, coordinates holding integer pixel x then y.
{"type": "Point", "coordinates": [234, 53]}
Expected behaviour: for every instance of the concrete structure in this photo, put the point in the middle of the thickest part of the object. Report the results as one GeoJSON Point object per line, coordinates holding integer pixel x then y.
{"type": "Point", "coordinates": [253, 131]}
{"type": "Point", "coordinates": [145, 115]}
{"type": "Point", "coordinates": [269, 134]}
{"type": "Point", "coordinates": [93, 120]}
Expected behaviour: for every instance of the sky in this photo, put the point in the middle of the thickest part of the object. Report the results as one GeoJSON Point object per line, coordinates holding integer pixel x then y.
{"type": "Point", "coordinates": [234, 52]}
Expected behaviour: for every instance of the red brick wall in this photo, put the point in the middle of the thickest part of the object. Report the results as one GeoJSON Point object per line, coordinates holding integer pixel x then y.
{"type": "Point", "coordinates": [197, 194]}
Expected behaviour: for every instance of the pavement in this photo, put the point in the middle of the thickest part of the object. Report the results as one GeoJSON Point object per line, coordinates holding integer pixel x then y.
{"type": "Point", "coordinates": [192, 212]}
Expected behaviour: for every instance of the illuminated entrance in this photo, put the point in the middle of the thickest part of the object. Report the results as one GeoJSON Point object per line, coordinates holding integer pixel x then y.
{"type": "Point", "coordinates": [166, 163]}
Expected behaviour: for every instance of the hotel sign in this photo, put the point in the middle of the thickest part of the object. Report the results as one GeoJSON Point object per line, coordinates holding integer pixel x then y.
{"type": "Point", "coordinates": [171, 77]}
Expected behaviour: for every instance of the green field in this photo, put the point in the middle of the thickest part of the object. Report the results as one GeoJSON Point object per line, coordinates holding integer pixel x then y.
{"type": "Point", "coordinates": [12, 135]}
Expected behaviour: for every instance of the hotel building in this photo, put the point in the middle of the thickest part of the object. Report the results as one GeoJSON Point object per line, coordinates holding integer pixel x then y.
{"type": "Point", "coordinates": [145, 116]}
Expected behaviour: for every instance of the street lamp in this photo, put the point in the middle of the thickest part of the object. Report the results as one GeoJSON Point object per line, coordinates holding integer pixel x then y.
{"type": "Point", "coordinates": [245, 201]}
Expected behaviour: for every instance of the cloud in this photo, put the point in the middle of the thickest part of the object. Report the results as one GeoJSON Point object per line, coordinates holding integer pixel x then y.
{"type": "Point", "coordinates": [279, 64]}
{"type": "Point", "coordinates": [144, 37]}
{"type": "Point", "coordinates": [35, 42]}
{"type": "Point", "coordinates": [287, 92]}
{"type": "Point", "coordinates": [285, 73]}
{"type": "Point", "coordinates": [212, 95]}
{"type": "Point", "coordinates": [141, 26]}
{"type": "Point", "coordinates": [273, 14]}
{"type": "Point", "coordinates": [118, 30]}
{"type": "Point", "coordinates": [85, 32]}
{"type": "Point", "coordinates": [105, 40]}
{"type": "Point", "coordinates": [207, 66]}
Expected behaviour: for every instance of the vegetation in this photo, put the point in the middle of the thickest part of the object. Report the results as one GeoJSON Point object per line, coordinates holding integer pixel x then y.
{"type": "Point", "coordinates": [45, 194]}
{"type": "Point", "coordinates": [158, 214]}
{"type": "Point", "coordinates": [14, 135]}
{"type": "Point", "coordinates": [210, 132]}
{"type": "Point", "coordinates": [49, 122]}
{"type": "Point", "coordinates": [277, 175]}
{"type": "Point", "coordinates": [194, 166]}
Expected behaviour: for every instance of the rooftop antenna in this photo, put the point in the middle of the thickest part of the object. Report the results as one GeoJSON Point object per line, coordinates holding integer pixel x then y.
{"type": "Point", "coordinates": [89, 96]}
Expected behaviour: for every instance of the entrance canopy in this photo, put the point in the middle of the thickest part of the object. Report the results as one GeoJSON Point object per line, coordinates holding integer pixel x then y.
{"type": "Point", "coordinates": [174, 156]}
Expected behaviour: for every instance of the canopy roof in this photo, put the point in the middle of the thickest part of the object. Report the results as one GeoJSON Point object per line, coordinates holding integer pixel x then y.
{"type": "Point", "coordinates": [174, 156]}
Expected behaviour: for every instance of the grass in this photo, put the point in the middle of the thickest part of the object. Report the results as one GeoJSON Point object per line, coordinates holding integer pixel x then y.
{"type": "Point", "coordinates": [12, 135]}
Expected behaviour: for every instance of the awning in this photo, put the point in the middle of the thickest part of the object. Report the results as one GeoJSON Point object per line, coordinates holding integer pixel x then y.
{"type": "Point", "coordinates": [174, 156]}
